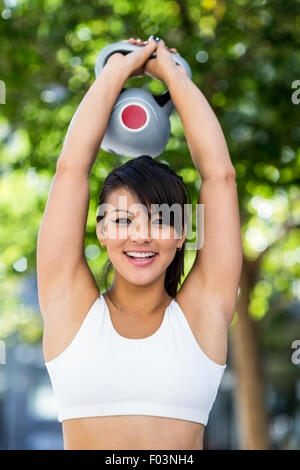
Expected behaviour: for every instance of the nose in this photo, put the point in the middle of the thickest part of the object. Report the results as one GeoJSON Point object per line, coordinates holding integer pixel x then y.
{"type": "Point", "coordinates": [140, 230]}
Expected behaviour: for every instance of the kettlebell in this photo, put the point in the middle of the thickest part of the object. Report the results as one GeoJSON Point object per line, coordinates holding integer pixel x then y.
{"type": "Point", "coordinates": [139, 122]}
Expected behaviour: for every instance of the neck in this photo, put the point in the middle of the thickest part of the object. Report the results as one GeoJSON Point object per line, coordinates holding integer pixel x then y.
{"type": "Point", "coordinates": [138, 300]}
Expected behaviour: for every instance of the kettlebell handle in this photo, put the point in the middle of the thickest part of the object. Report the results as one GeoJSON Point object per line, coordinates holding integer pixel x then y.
{"type": "Point", "coordinates": [126, 48]}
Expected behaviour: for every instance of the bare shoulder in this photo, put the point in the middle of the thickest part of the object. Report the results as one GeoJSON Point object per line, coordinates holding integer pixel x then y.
{"type": "Point", "coordinates": [64, 312]}
{"type": "Point", "coordinates": [208, 323]}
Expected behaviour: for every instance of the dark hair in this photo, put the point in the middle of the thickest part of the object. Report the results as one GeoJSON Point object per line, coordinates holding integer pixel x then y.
{"type": "Point", "coordinates": [152, 182]}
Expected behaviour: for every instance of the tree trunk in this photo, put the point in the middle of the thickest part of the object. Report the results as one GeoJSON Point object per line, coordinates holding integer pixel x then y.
{"type": "Point", "coordinates": [250, 396]}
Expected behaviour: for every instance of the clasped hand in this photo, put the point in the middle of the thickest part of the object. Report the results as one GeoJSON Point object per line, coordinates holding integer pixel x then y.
{"type": "Point", "coordinates": [138, 63]}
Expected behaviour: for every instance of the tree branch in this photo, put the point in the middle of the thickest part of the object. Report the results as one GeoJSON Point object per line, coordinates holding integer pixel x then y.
{"type": "Point", "coordinates": [252, 267]}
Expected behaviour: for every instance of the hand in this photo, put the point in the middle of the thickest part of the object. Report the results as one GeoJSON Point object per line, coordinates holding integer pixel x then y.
{"type": "Point", "coordinates": [163, 66]}
{"type": "Point", "coordinates": [159, 67]}
{"type": "Point", "coordinates": [134, 62]}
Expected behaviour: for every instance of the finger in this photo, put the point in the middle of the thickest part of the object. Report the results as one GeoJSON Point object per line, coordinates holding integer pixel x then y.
{"type": "Point", "coordinates": [161, 45]}
{"type": "Point", "coordinates": [134, 41]}
{"type": "Point", "coordinates": [138, 42]}
{"type": "Point", "coordinates": [148, 49]}
{"type": "Point", "coordinates": [145, 52]}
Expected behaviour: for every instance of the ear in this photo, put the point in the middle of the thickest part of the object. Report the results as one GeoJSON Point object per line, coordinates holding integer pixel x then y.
{"type": "Point", "coordinates": [181, 241]}
{"type": "Point", "coordinates": [100, 234]}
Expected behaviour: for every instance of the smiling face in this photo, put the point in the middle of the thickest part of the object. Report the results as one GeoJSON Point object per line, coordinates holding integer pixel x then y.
{"type": "Point", "coordinates": [127, 227]}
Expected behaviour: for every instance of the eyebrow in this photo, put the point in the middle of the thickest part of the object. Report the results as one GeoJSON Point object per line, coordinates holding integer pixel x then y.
{"type": "Point", "coordinates": [122, 210]}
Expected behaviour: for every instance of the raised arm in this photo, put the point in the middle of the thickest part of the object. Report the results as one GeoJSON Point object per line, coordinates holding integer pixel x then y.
{"type": "Point", "coordinates": [61, 265]}
{"type": "Point", "coordinates": [217, 267]}
{"type": "Point", "coordinates": [62, 270]}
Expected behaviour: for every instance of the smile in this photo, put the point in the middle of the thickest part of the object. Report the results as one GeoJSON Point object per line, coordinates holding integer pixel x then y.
{"type": "Point", "coordinates": [145, 261]}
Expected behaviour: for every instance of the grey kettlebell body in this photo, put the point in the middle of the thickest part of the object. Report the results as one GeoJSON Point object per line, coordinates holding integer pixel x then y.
{"type": "Point", "coordinates": [139, 123]}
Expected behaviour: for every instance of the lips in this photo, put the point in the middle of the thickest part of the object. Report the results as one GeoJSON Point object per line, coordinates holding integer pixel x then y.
{"type": "Point", "coordinates": [141, 261]}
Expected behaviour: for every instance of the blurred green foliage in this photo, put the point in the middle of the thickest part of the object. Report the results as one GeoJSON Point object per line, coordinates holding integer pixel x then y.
{"type": "Point", "coordinates": [244, 55]}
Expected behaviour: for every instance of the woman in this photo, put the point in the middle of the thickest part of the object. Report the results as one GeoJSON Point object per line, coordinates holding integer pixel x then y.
{"type": "Point", "coordinates": [138, 366]}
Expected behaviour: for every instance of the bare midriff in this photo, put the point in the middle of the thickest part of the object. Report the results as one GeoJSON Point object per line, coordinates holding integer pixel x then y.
{"type": "Point", "coordinates": [132, 432]}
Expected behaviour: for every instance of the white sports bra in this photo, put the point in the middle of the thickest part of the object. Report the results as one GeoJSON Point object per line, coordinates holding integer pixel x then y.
{"type": "Point", "coordinates": [102, 373]}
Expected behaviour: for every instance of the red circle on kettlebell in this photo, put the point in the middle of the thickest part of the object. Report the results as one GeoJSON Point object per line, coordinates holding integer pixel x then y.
{"type": "Point", "coordinates": [134, 116]}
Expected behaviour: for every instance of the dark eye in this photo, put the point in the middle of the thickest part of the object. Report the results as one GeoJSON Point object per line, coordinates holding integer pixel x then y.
{"type": "Point", "coordinates": [124, 218]}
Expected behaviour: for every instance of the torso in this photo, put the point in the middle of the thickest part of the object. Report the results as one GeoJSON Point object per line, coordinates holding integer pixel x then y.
{"type": "Point", "coordinates": [134, 431]}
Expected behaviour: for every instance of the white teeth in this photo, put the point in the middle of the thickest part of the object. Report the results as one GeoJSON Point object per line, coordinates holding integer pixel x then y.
{"type": "Point", "coordinates": [140, 255]}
